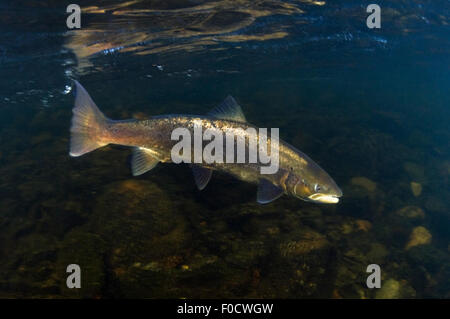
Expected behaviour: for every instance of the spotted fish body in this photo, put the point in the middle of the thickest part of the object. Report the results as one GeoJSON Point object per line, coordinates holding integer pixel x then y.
{"type": "Point", "coordinates": [152, 143]}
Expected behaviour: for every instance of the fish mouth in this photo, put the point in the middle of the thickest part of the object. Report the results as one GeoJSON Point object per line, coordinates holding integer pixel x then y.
{"type": "Point", "coordinates": [324, 198]}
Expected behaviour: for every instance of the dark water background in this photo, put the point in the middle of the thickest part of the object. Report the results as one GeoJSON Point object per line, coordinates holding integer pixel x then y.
{"type": "Point", "coordinates": [370, 106]}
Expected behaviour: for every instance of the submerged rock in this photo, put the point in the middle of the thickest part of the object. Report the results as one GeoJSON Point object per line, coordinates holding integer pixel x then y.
{"type": "Point", "coordinates": [412, 212]}
{"type": "Point", "coordinates": [395, 289]}
{"type": "Point", "coordinates": [416, 189]}
{"type": "Point", "coordinates": [390, 289]}
{"type": "Point", "coordinates": [363, 225]}
{"type": "Point", "coordinates": [365, 183]}
{"type": "Point", "coordinates": [419, 236]}
{"type": "Point", "coordinates": [310, 241]}
{"type": "Point", "coordinates": [354, 226]}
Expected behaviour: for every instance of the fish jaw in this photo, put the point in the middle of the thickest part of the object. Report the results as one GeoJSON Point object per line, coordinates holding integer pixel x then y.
{"type": "Point", "coordinates": [324, 198]}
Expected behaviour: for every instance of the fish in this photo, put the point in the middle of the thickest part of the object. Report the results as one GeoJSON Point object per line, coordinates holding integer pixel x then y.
{"type": "Point", "coordinates": [151, 142]}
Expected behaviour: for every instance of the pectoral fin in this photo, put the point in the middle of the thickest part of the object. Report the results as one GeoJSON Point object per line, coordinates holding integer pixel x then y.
{"type": "Point", "coordinates": [267, 192]}
{"type": "Point", "coordinates": [142, 160]}
{"type": "Point", "coordinates": [201, 175]}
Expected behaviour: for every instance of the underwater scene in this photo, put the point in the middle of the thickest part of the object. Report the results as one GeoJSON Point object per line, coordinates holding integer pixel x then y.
{"type": "Point", "coordinates": [370, 105]}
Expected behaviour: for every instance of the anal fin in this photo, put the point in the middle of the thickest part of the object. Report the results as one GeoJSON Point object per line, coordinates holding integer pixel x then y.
{"type": "Point", "coordinates": [142, 161]}
{"type": "Point", "coordinates": [201, 175]}
{"type": "Point", "coordinates": [267, 192]}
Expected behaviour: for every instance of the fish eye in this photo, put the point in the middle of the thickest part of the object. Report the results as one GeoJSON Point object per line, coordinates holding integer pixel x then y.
{"type": "Point", "coordinates": [317, 188]}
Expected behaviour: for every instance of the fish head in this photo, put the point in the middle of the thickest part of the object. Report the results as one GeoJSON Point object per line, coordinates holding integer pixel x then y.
{"type": "Point", "coordinates": [311, 183]}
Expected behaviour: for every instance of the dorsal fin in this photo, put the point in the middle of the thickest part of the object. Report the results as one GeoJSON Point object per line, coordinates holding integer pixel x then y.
{"type": "Point", "coordinates": [228, 110]}
{"type": "Point", "coordinates": [142, 161]}
{"type": "Point", "coordinates": [267, 192]}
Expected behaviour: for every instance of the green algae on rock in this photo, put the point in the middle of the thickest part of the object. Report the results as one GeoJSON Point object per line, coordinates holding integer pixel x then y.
{"type": "Point", "coordinates": [416, 188]}
{"type": "Point", "coordinates": [412, 212]}
{"type": "Point", "coordinates": [419, 236]}
{"type": "Point", "coordinates": [364, 182]}
{"type": "Point", "coordinates": [395, 289]}
{"type": "Point", "coordinates": [308, 242]}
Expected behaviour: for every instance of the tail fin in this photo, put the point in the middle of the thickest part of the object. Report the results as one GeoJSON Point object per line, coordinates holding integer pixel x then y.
{"type": "Point", "coordinates": [88, 122]}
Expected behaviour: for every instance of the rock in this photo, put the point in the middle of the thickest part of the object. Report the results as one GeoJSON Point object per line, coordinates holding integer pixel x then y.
{"type": "Point", "coordinates": [364, 182]}
{"type": "Point", "coordinates": [347, 228]}
{"type": "Point", "coordinates": [390, 289]}
{"type": "Point", "coordinates": [310, 241]}
{"type": "Point", "coordinates": [395, 289]}
{"type": "Point", "coordinates": [412, 212]}
{"type": "Point", "coordinates": [357, 225]}
{"type": "Point", "coordinates": [363, 225]}
{"type": "Point", "coordinates": [419, 236]}
{"type": "Point", "coordinates": [416, 189]}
